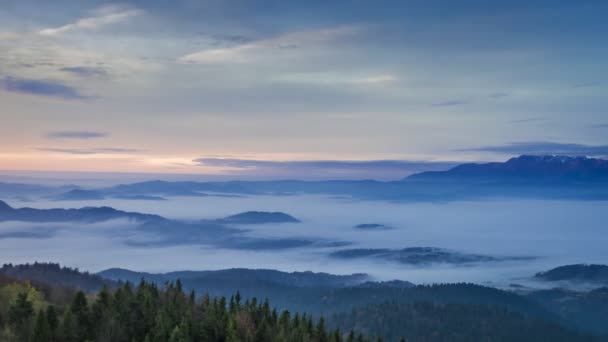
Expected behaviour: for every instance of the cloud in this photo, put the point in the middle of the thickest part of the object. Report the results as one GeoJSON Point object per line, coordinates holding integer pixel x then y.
{"type": "Point", "coordinates": [526, 120]}
{"type": "Point", "coordinates": [544, 148]}
{"type": "Point", "coordinates": [335, 78]}
{"type": "Point", "coordinates": [85, 71]}
{"type": "Point", "coordinates": [586, 85]}
{"type": "Point", "coordinates": [41, 88]}
{"type": "Point", "coordinates": [99, 150]}
{"type": "Point", "coordinates": [449, 103]}
{"type": "Point", "coordinates": [378, 79]}
{"type": "Point", "coordinates": [102, 17]}
{"type": "Point", "coordinates": [243, 52]}
{"type": "Point", "coordinates": [498, 95]}
{"type": "Point", "coordinates": [230, 38]}
{"type": "Point", "coordinates": [76, 135]}
{"type": "Point", "coordinates": [599, 126]}
{"type": "Point", "coordinates": [324, 169]}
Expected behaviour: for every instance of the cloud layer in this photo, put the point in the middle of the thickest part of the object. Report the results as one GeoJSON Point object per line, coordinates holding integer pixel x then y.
{"type": "Point", "coordinates": [104, 16]}
{"type": "Point", "coordinates": [41, 88]}
{"type": "Point", "coordinates": [325, 169]}
{"type": "Point", "coordinates": [76, 135]}
{"type": "Point", "coordinates": [85, 151]}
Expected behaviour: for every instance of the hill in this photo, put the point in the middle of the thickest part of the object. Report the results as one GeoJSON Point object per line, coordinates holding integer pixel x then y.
{"type": "Point", "coordinates": [54, 274]}
{"type": "Point", "coordinates": [577, 273]}
{"type": "Point", "coordinates": [259, 217]}
{"type": "Point", "coordinates": [86, 214]}
{"type": "Point", "coordinates": [425, 321]}
{"type": "Point", "coordinates": [80, 195]}
{"type": "Point", "coordinates": [585, 310]}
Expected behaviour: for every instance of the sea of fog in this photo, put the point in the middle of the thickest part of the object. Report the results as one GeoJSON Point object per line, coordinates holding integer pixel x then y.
{"type": "Point", "coordinates": [554, 232]}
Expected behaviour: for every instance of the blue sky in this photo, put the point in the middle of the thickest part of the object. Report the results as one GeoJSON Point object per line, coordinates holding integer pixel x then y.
{"type": "Point", "coordinates": [158, 86]}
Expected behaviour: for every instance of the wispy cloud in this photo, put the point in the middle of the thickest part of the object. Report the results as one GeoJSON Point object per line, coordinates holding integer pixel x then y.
{"type": "Point", "coordinates": [544, 148]}
{"type": "Point", "coordinates": [76, 135]}
{"type": "Point", "coordinates": [101, 17]}
{"type": "Point", "coordinates": [319, 169]}
{"type": "Point", "coordinates": [339, 79]}
{"type": "Point", "coordinates": [240, 53]}
{"type": "Point", "coordinates": [41, 88]}
{"type": "Point", "coordinates": [527, 120]}
{"type": "Point", "coordinates": [449, 103]}
{"type": "Point", "coordinates": [586, 85]}
{"type": "Point", "coordinates": [498, 95]}
{"type": "Point", "coordinates": [99, 150]}
{"type": "Point", "coordinates": [85, 71]}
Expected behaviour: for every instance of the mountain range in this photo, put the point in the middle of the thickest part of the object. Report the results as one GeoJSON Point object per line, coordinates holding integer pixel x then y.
{"type": "Point", "coordinates": [525, 168]}
{"type": "Point", "coordinates": [537, 177]}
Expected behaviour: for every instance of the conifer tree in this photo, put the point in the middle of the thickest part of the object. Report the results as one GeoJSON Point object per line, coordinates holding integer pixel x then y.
{"type": "Point", "coordinates": [42, 332]}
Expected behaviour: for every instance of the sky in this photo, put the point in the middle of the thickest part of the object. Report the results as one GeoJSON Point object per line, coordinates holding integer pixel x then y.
{"type": "Point", "coordinates": [334, 89]}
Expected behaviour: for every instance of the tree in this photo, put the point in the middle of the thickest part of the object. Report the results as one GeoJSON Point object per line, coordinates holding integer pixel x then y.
{"type": "Point", "coordinates": [20, 316]}
{"type": "Point", "coordinates": [80, 311]}
{"type": "Point", "coordinates": [53, 322]}
{"type": "Point", "coordinates": [42, 331]}
{"type": "Point", "coordinates": [320, 331]}
{"type": "Point", "coordinates": [69, 327]}
{"type": "Point", "coordinates": [180, 333]}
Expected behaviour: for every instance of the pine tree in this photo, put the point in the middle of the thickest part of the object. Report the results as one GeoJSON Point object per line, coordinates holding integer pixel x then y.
{"type": "Point", "coordinates": [42, 331]}
{"type": "Point", "coordinates": [20, 316]}
{"type": "Point", "coordinates": [231, 333]}
{"type": "Point", "coordinates": [69, 328]}
{"type": "Point", "coordinates": [53, 321]}
{"type": "Point", "coordinates": [80, 311]}
{"type": "Point", "coordinates": [180, 333]}
{"type": "Point", "coordinates": [320, 331]}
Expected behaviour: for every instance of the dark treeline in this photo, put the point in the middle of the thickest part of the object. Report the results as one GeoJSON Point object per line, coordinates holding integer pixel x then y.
{"type": "Point", "coordinates": [147, 313]}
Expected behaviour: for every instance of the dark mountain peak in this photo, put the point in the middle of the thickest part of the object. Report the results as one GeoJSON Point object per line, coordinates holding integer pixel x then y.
{"type": "Point", "coordinates": [372, 226]}
{"type": "Point", "coordinates": [525, 168]}
{"type": "Point", "coordinates": [4, 206]}
{"type": "Point", "coordinates": [577, 272]}
{"type": "Point", "coordinates": [258, 217]}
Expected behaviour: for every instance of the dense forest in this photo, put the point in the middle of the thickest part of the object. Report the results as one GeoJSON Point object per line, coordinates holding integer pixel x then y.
{"type": "Point", "coordinates": [150, 314]}
{"type": "Point", "coordinates": [429, 322]}
{"type": "Point", "coordinates": [46, 302]}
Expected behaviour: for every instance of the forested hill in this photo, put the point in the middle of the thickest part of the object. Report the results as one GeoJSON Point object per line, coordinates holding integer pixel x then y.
{"type": "Point", "coordinates": [425, 321]}
{"type": "Point", "coordinates": [170, 311]}
{"type": "Point", "coordinates": [151, 314]}
{"type": "Point", "coordinates": [54, 274]}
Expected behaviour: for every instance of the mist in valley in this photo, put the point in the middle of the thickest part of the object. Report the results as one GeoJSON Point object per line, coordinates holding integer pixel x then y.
{"type": "Point", "coordinates": [531, 236]}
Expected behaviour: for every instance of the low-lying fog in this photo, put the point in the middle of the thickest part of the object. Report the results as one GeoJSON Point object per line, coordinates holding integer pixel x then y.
{"type": "Point", "coordinates": [555, 232]}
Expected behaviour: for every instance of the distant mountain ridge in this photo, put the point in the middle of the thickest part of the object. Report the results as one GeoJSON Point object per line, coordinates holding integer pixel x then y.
{"type": "Point", "coordinates": [244, 275]}
{"type": "Point", "coordinates": [536, 177]}
{"type": "Point", "coordinates": [525, 168]}
{"type": "Point", "coordinates": [85, 214]}
{"type": "Point", "coordinates": [578, 272]}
